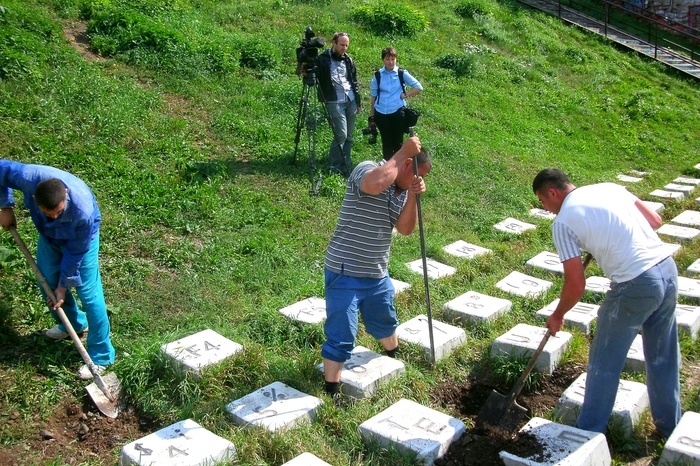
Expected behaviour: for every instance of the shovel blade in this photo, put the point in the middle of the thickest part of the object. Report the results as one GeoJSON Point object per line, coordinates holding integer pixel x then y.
{"type": "Point", "coordinates": [496, 413]}
{"type": "Point", "coordinates": [110, 408]}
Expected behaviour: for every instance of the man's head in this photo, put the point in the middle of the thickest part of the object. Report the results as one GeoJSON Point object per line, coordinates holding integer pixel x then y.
{"type": "Point", "coordinates": [405, 175]}
{"type": "Point", "coordinates": [50, 196]}
{"type": "Point", "coordinates": [341, 42]}
{"type": "Point", "coordinates": [551, 186]}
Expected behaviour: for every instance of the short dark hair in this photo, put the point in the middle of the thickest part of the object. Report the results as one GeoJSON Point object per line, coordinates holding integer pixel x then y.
{"type": "Point", "coordinates": [550, 178]}
{"type": "Point", "coordinates": [49, 193]}
{"type": "Point", "coordinates": [390, 51]}
{"type": "Point", "coordinates": [424, 158]}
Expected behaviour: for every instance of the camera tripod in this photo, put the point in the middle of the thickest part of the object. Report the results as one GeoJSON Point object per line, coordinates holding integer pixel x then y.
{"type": "Point", "coordinates": [309, 101]}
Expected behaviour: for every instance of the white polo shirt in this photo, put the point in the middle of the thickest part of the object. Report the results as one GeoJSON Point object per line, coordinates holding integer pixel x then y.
{"type": "Point", "coordinates": [603, 220]}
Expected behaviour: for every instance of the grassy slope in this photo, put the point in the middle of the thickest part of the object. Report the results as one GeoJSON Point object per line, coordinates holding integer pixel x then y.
{"type": "Point", "coordinates": [208, 225]}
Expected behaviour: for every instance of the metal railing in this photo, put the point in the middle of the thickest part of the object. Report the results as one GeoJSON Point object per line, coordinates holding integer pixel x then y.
{"type": "Point", "coordinates": [658, 32]}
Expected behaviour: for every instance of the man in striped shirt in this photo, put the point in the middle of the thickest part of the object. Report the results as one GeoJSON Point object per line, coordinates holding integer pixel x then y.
{"type": "Point", "coordinates": [378, 198]}
{"type": "Point", "coordinates": [618, 230]}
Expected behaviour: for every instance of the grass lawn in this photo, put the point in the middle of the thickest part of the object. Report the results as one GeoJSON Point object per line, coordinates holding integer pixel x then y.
{"type": "Point", "coordinates": [181, 116]}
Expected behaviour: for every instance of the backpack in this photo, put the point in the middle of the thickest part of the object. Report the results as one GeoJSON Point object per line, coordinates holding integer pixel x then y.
{"type": "Point", "coordinates": [378, 76]}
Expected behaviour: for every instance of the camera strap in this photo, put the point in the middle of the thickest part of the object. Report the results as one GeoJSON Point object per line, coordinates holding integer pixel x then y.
{"type": "Point", "coordinates": [378, 76]}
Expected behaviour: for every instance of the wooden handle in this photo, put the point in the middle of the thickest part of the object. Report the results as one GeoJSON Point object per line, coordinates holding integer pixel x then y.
{"type": "Point", "coordinates": [61, 314]}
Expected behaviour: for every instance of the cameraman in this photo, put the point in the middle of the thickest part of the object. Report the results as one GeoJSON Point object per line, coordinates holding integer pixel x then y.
{"type": "Point", "coordinates": [339, 90]}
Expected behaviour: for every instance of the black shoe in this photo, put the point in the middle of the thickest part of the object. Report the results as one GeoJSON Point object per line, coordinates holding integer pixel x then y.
{"type": "Point", "coordinates": [393, 353]}
{"type": "Point", "coordinates": [343, 401]}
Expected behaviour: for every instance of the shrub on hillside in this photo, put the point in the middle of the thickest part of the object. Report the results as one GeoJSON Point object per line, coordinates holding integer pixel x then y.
{"type": "Point", "coordinates": [463, 64]}
{"type": "Point", "coordinates": [492, 29]}
{"type": "Point", "coordinates": [256, 55]}
{"type": "Point", "coordinates": [469, 8]}
{"type": "Point", "coordinates": [91, 8]}
{"type": "Point", "coordinates": [390, 18]}
{"type": "Point", "coordinates": [120, 31]}
{"type": "Point", "coordinates": [219, 54]}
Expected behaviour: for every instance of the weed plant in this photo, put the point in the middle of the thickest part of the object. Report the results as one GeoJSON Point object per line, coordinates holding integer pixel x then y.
{"type": "Point", "coordinates": [185, 130]}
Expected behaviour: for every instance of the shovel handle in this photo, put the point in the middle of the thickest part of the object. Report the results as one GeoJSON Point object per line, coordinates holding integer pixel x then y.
{"type": "Point", "coordinates": [523, 377]}
{"type": "Point", "coordinates": [411, 132]}
{"type": "Point", "coordinates": [61, 314]}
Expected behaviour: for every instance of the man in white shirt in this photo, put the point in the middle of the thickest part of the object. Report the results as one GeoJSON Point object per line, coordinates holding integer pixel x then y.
{"type": "Point", "coordinates": [618, 230]}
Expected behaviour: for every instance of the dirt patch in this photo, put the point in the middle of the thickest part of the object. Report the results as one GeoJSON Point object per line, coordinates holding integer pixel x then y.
{"type": "Point", "coordinates": [75, 434]}
{"type": "Point", "coordinates": [76, 34]}
{"type": "Point", "coordinates": [482, 447]}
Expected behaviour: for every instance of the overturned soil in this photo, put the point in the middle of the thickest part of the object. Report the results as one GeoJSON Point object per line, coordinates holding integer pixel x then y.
{"type": "Point", "coordinates": [482, 447]}
{"type": "Point", "coordinates": [74, 434]}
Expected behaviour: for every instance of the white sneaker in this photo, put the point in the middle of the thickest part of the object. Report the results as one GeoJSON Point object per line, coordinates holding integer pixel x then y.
{"type": "Point", "coordinates": [55, 333]}
{"type": "Point", "coordinates": [85, 374]}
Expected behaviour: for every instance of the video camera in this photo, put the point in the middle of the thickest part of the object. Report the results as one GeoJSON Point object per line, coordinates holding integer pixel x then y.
{"type": "Point", "coordinates": [306, 55]}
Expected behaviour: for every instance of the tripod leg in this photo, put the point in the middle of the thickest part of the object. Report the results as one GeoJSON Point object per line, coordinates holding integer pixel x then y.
{"type": "Point", "coordinates": [301, 117]}
{"type": "Point", "coordinates": [314, 175]}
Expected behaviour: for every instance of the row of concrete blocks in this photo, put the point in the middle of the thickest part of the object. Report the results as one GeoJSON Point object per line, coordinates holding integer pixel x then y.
{"type": "Point", "coordinates": [361, 376]}
{"type": "Point", "coordinates": [474, 308]}
{"type": "Point", "coordinates": [406, 424]}
{"type": "Point", "coordinates": [678, 189]}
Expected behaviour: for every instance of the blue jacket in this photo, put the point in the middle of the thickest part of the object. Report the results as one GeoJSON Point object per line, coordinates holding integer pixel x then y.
{"type": "Point", "coordinates": [73, 230]}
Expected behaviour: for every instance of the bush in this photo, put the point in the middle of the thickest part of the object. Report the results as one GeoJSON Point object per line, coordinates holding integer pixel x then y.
{"type": "Point", "coordinates": [218, 55]}
{"type": "Point", "coordinates": [91, 8]}
{"type": "Point", "coordinates": [463, 64]}
{"type": "Point", "coordinates": [256, 55]}
{"type": "Point", "coordinates": [120, 31]}
{"type": "Point", "coordinates": [492, 28]}
{"type": "Point", "coordinates": [390, 19]}
{"type": "Point", "coordinates": [469, 8]}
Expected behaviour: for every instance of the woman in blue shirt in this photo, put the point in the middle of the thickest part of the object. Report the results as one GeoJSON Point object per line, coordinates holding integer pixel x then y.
{"type": "Point", "coordinates": [389, 101]}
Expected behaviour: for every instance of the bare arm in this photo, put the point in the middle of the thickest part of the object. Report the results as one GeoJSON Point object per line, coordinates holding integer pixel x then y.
{"type": "Point", "coordinates": [652, 217]}
{"type": "Point", "coordinates": [406, 222]}
{"type": "Point", "coordinates": [571, 293]}
{"type": "Point", "coordinates": [380, 178]}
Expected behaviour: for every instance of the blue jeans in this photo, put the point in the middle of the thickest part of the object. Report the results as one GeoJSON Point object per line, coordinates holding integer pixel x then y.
{"type": "Point", "coordinates": [99, 346]}
{"type": "Point", "coordinates": [342, 115]}
{"type": "Point", "coordinates": [345, 296]}
{"type": "Point", "coordinates": [647, 302]}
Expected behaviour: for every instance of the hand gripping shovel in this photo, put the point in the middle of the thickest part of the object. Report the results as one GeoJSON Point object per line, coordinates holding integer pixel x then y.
{"type": "Point", "coordinates": [425, 261]}
{"type": "Point", "coordinates": [105, 391]}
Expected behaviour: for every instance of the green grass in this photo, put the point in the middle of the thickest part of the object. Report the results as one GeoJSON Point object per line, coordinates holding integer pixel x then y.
{"type": "Point", "coordinates": [207, 224]}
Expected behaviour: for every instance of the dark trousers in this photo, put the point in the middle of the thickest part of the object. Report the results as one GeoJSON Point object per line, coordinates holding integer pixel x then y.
{"type": "Point", "coordinates": [391, 128]}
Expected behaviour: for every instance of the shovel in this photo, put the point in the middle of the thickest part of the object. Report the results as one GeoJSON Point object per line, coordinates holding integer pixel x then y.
{"type": "Point", "coordinates": [105, 391]}
{"type": "Point", "coordinates": [502, 411]}
{"type": "Point", "coordinates": [411, 132]}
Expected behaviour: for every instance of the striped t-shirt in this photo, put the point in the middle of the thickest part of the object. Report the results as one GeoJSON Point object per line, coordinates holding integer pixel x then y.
{"type": "Point", "coordinates": [362, 238]}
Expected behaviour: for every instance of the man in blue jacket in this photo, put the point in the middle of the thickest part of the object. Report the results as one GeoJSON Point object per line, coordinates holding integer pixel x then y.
{"type": "Point", "coordinates": [64, 211]}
